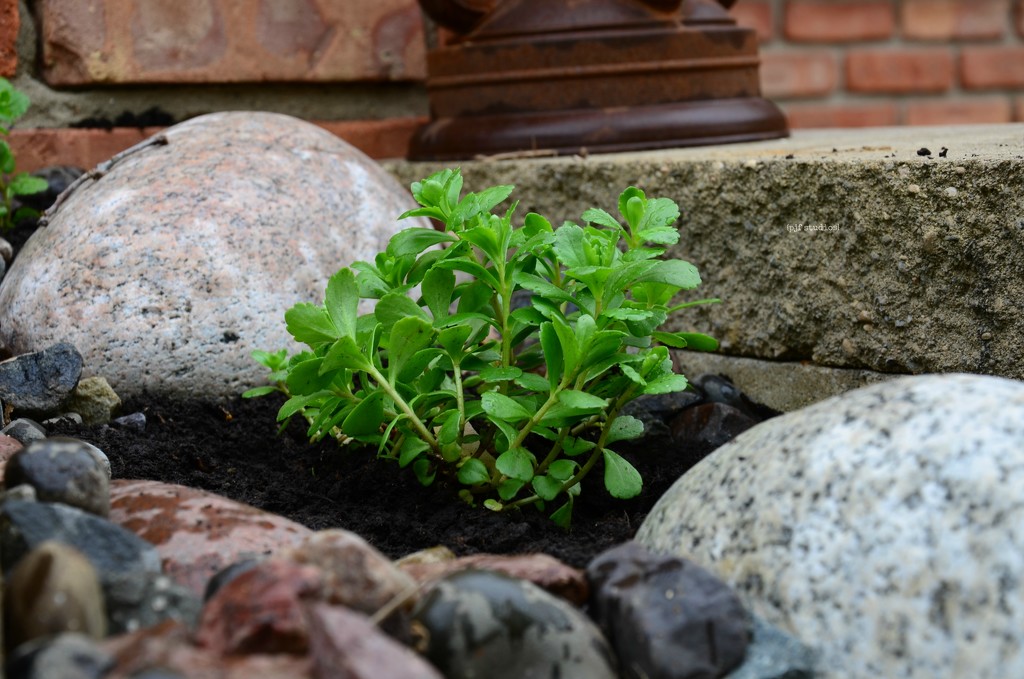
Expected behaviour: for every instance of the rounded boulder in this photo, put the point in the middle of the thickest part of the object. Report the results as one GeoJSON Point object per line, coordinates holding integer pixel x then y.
{"type": "Point", "coordinates": [168, 265]}
{"type": "Point", "coordinates": [881, 527]}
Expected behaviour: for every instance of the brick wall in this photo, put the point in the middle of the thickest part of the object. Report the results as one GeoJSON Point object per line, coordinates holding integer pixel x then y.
{"type": "Point", "coordinates": [853, 63]}
{"type": "Point", "coordinates": [828, 63]}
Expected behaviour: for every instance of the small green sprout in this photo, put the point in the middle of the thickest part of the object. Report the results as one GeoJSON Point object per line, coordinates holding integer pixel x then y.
{"type": "Point", "coordinates": [13, 105]}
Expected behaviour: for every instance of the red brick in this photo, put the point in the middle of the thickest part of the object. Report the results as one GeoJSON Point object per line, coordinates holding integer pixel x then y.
{"type": "Point", "coordinates": [1020, 110]}
{"type": "Point", "coordinates": [841, 115]}
{"type": "Point", "coordinates": [839, 20]}
{"type": "Point", "coordinates": [10, 22]}
{"type": "Point", "coordinates": [756, 14]}
{"type": "Point", "coordinates": [949, 19]}
{"type": "Point", "coordinates": [226, 41]}
{"type": "Point", "coordinates": [899, 71]}
{"type": "Point", "coordinates": [798, 74]}
{"type": "Point", "coordinates": [962, 112]}
{"type": "Point", "coordinates": [992, 67]}
{"type": "Point", "coordinates": [87, 148]}
{"type": "Point", "coordinates": [1020, 17]}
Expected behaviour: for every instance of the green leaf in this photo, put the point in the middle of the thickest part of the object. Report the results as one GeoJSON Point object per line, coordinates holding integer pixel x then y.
{"type": "Point", "coordinates": [6, 158]}
{"type": "Point", "coordinates": [509, 488]}
{"type": "Point", "coordinates": [562, 469]}
{"type": "Point", "coordinates": [416, 366]}
{"type": "Point", "coordinates": [395, 306]}
{"type": "Point", "coordinates": [624, 428]}
{"type": "Point", "coordinates": [488, 199]}
{"type": "Point", "coordinates": [408, 336]}
{"type": "Point", "coordinates": [366, 417]}
{"type": "Point", "coordinates": [664, 235]}
{"type": "Point", "coordinates": [310, 324]}
{"type": "Point", "coordinates": [670, 339]}
{"type": "Point", "coordinates": [306, 378]}
{"type": "Point", "coordinates": [412, 448]}
{"type": "Point", "coordinates": [546, 487]}
{"type": "Point", "coordinates": [472, 472]}
{"type": "Point", "coordinates": [666, 384]}
{"type": "Point", "coordinates": [13, 104]}
{"type": "Point", "coordinates": [425, 471]}
{"type": "Point", "coordinates": [454, 339]}
{"type": "Point", "coordinates": [567, 340]}
{"type": "Point", "coordinates": [294, 405]}
{"type": "Point", "coordinates": [500, 374]}
{"type": "Point", "coordinates": [569, 246]}
{"type": "Point", "coordinates": [415, 240]}
{"type": "Point", "coordinates": [576, 446]}
{"type": "Point", "coordinates": [624, 197]}
{"type": "Point", "coordinates": [342, 301]}
{"type": "Point", "coordinates": [259, 391]}
{"type": "Point", "coordinates": [438, 286]}
{"type": "Point", "coordinates": [658, 213]}
{"type": "Point", "coordinates": [449, 432]}
{"type": "Point", "coordinates": [581, 400]}
{"type": "Point", "coordinates": [503, 408]}
{"type": "Point", "coordinates": [472, 268]}
{"type": "Point", "coordinates": [599, 216]}
{"type": "Point", "coordinates": [516, 463]}
{"type": "Point", "coordinates": [562, 517]}
{"type": "Point", "coordinates": [493, 505]}
{"type": "Point", "coordinates": [345, 354]}
{"type": "Point", "coordinates": [699, 341]}
{"type": "Point", "coordinates": [675, 272]}
{"type": "Point", "coordinates": [533, 382]}
{"type": "Point", "coordinates": [536, 284]}
{"type": "Point", "coordinates": [24, 184]}
{"type": "Point", "coordinates": [620, 477]}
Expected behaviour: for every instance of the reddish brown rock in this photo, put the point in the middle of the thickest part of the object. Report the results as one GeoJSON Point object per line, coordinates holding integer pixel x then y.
{"type": "Point", "coordinates": [8, 447]}
{"type": "Point", "coordinates": [542, 570]}
{"type": "Point", "coordinates": [167, 646]}
{"type": "Point", "coordinates": [261, 610]}
{"type": "Point", "coordinates": [220, 41]}
{"type": "Point", "coordinates": [198, 533]}
{"type": "Point", "coordinates": [10, 22]}
{"type": "Point", "coordinates": [357, 575]}
{"type": "Point", "coordinates": [346, 644]}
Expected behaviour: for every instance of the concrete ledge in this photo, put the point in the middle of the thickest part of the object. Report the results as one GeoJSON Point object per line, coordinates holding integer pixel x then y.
{"type": "Point", "coordinates": [782, 386]}
{"type": "Point", "coordinates": [845, 248]}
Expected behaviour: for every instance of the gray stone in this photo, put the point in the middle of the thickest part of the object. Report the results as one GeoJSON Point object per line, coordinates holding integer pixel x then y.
{"type": "Point", "coordinates": [123, 561]}
{"type": "Point", "coordinates": [66, 656]}
{"type": "Point", "coordinates": [183, 256]}
{"type": "Point", "coordinates": [53, 589]}
{"type": "Point", "coordinates": [897, 281]}
{"type": "Point", "coordinates": [41, 382]}
{"type": "Point", "coordinates": [23, 492]}
{"type": "Point", "coordinates": [710, 424]}
{"type": "Point", "coordinates": [133, 421]}
{"type": "Point", "coordinates": [657, 410]}
{"type": "Point", "coordinates": [881, 527]}
{"type": "Point", "coordinates": [64, 470]}
{"type": "Point", "coordinates": [773, 654]}
{"type": "Point", "coordinates": [484, 624]}
{"type": "Point", "coordinates": [666, 617]}
{"type": "Point", "coordinates": [138, 601]}
{"type": "Point", "coordinates": [69, 418]}
{"type": "Point", "coordinates": [25, 430]}
{"type": "Point", "coordinates": [94, 400]}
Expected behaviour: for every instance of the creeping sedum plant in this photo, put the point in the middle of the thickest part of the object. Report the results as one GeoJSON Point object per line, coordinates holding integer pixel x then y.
{"type": "Point", "coordinates": [13, 105]}
{"type": "Point", "coordinates": [450, 378]}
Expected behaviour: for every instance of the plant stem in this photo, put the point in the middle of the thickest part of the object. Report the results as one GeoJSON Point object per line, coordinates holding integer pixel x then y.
{"type": "Point", "coordinates": [417, 423]}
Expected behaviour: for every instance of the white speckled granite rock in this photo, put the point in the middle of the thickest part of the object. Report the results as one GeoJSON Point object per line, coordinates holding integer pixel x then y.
{"type": "Point", "coordinates": [884, 527]}
{"type": "Point", "coordinates": [167, 271]}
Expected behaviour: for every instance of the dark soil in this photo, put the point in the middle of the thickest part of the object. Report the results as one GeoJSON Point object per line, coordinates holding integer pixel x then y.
{"type": "Point", "coordinates": [234, 450]}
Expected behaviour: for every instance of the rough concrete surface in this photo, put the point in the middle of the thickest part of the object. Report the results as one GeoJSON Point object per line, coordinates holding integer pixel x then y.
{"type": "Point", "coordinates": [843, 247]}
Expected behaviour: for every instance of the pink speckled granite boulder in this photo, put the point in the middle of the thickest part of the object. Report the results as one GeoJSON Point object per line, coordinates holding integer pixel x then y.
{"type": "Point", "coordinates": [198, 533]}
{"type": "Point", "coordinates": [170, 268]}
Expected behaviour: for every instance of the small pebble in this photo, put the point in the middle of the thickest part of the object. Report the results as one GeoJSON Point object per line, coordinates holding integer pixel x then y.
{"type": "Point", "coordinates": [25, 430]}
{"type": "Point", "coordinates": [951, 192]}
{"type": "Point", "coordinates": [913, 188]}
{"type": "Point", "coordinates": [986, 336]}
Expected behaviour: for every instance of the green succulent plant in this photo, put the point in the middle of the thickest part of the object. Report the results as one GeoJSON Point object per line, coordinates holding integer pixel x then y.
{"type": "Point", "coordinates": [13, 105]}
{"type": "Point", "coordinates": [449, 377]}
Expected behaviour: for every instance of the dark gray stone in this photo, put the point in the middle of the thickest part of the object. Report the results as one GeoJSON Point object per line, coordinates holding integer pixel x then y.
{"type": "Point", "coordinates": [39, 384]}
{"type": "Point", "coordinates": [64, 470]}
{"type": "Point", "coordinates": [485, 624]}
{"type": "Point", "coordinates": [656, 411]}
{"type": "Point", "coordinates": [136, 602]}
{"type": "Point", "coordinates": [25, 430]}
{"type": "Point", "coordinates": [66, 656]}
{"type": "Point", "coordinates": [123, 561]}
{"type": "Point", "coordinates": [773, 654]}
{"type": "Point", "coordinates": [666, 617]}
{"type": "Point", "coordinates": [710, 425]}
{"type": "Point", "coordinates": [133, 421]}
